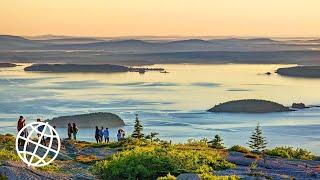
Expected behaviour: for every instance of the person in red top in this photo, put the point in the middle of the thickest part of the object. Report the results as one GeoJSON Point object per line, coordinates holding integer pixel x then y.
{"type": "Point", "coordinates": [20, 125]}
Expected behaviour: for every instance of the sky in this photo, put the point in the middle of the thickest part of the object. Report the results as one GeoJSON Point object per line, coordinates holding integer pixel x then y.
{"type": "Point", "coordinates": [161, 17]}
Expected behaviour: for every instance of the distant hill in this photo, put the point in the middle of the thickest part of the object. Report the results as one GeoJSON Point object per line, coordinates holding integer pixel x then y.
{"type": "Point", "coordinates": [71, 40]}
{"type": "Point", "coordinates": [89, 120]}
{"type": "Point", "coordinates": [249, 106]}
{"type": "Point", "coordinates": [238, 40]}
{"type": "Point", "coordinates": [8, 42]}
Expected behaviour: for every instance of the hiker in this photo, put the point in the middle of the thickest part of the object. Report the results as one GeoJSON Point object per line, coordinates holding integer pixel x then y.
{"type": "Point", "coordinates": [106, 135]}
{"type": "Point", "coordinates": [101, 134]}
{"type": "Point", "coordinates": [69, 131]}
{"type": "Point", "coordinates": [97, 136]}
{"type": "Point", "coordinates": [20, 125]}
{"type": "Point", "coordinates": [74, 131]}
{"type": "Point", "coordinates": [40, 129]}
{"type": "Point", "coordinates": [120, 135]}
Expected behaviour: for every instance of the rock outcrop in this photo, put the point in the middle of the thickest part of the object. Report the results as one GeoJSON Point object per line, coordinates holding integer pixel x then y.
{"type": "Point", "coordinates": [299, 106]}
{"type": "Point", "coordinates": [89, 120]}
{"type": "Point", "coordinates": [249, 106]}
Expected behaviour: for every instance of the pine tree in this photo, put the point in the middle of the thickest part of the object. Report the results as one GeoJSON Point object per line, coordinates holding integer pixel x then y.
{"type": "Point", "coordinates": [217, 142]}
{"type": "Point", "coordinates": [257, 142]}
{"type": "Point", "coordinates": [137, 132]}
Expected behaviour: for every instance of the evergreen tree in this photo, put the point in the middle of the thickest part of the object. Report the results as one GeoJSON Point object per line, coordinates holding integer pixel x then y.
{"type": "Point", "coordinates": [137, 132]}
{"type": "Point", "coordinates": [257, 142]}
{"type": "Point", "coordinates": [217, 142]}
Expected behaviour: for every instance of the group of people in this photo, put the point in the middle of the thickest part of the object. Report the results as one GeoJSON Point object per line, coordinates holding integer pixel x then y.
{"type": "Point", "coordinates": [24, 134]}
{"type": "Point", "coordinates": [72, 131]}
{"type": "Point", "coordinates": [101, 135]}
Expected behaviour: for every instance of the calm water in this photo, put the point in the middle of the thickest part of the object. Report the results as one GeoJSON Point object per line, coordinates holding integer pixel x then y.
{"type": "Point", "coordinates": [172, 104]}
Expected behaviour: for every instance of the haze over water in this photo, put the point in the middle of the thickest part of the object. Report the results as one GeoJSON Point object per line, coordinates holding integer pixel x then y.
{"type": "Point", "coordinates": [173, 104]}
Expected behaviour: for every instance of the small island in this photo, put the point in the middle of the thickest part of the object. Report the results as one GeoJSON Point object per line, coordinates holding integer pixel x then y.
{"type": "Point", "coordinates": [89, 120]}
{"type": "Point", "coordinates": [300, 71]}
{"type": "Point", "coordinates": [86, 68]}
{"type": "Point", "coordinates": [250, 106]}
{"type": "Point", "coordinates": [5, 65]}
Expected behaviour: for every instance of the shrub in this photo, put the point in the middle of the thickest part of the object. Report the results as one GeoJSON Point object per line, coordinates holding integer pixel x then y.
{"type": "Point", "coordinates": [7, 142]}
{"type": "Point", "coordinates": [3, 177]}
{"type": "Point", "coordinates": [153, 161]}
{"type": "Point", "coordinates": [167, 177]}
{"type": "Point", "coordinates": [132, 166]}
{"type": "Point", "coordinates": [238, 148]}
{"type": "Point", "coordinates": [8, 155]}
{"type": "Point", "coordinates": [290, 153]}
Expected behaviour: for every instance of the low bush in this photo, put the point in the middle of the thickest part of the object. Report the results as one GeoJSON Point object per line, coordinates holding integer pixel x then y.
{"type": "Point", "coordinates": [7, 142]}
{"type": "Point", "coordinates": [8, 155]}
{"type": "Point", "coordinates": [290, 153]}
{"type": "Point", "coordinates": [238, 148]}
{"type": "Point", "coordinates": [167, 177]}
{"type": "Point", "coordinates": [3, 177]}
{"type": "Point", "coordinates": [150, 162]}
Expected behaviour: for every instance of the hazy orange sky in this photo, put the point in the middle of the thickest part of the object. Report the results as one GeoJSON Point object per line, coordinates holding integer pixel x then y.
{"type": "Point", "coordinates": [161, 17]}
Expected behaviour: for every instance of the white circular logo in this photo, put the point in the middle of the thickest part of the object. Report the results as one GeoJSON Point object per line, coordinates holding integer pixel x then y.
{"type": "Point", "coordinates": [38, 144]}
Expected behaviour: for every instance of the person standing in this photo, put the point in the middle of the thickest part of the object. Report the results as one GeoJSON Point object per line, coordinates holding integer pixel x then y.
{"type": "Point", "coordinates": [106, 135]}
{"type": "Point", "coordinates": [74, 131]}
{"type": "Point", "coordinates": [69, 131]}
{"type": "Point", "coordinates": [40, 133]}
{"type": "Point", "coordinates": [96, 135]}
{"type": "Point", "coordinates": [119, 136]}
{"type": "Point", "coordinates": [101, 134]}
{"type": "Point", "coordinates": [20, 125]}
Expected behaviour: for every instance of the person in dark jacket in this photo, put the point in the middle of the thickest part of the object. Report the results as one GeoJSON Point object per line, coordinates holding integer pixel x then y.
{"type": "Point", "coordinates": [97, 136]}
{"type": "Point", "coordinates": [69, 131]}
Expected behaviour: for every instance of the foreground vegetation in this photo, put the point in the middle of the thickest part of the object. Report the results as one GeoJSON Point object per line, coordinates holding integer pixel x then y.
{"type": "Point", "coordinates": [152, 160]}
{"type": "Point", "coordinates": [147, 157]}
